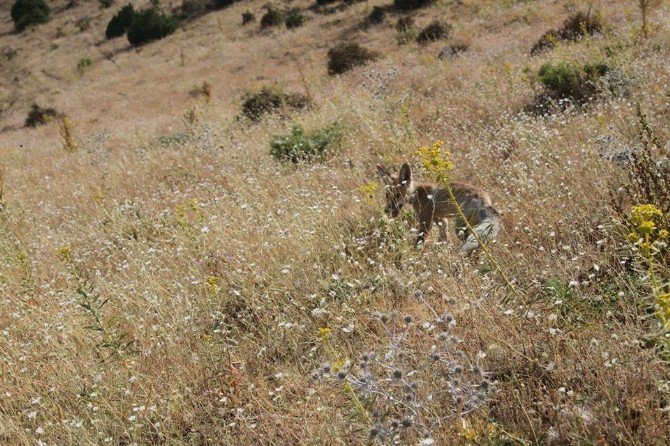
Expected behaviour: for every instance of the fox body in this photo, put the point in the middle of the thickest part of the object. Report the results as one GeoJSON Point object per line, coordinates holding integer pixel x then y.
{"type": "Point", "coordinates": [433, 204]}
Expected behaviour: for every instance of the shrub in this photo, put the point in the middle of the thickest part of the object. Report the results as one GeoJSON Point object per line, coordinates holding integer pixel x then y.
{"type": "Point", "coordinates": [272, 17]}
{"type": "Point", "coordinates": [39, 116]}
{"type": "Point", "coordinates": [377, 15]}
{"type": "Point", "coordinates": [191, 9]}
{"type": "Point", "coordinates": [569, 81]}
{"type": "Point", "coordinates": [83, 64]}
{"type": "Point", "coordinates": [149, 25]}
{"type": "Point", "coordinates": [436, 30]}
{"type": "Point", "coordinates": [404, 24]}
{"type": "Point", "coordinates": [106, 3]}
{"type": "Point", "coordinates": [408, 5]}
{"type": "Point", "coordinates": [219, 4]}
{"type": "Point", "coordinates": [302, 146]}
{"type": "Point", "coordinates": [295, 19]}
{"type": "Point", "coordinates": [345, 56]}
{"type": "Point", "coordinates": [271, 99]}
{"type": "Point", "coordinates": [27, 13]}
{"type": "Point", "coordinates": [574, 28]}
{"type": "Point", "coordinates": [121, 21]}
{"type": "Point", "coordinates": [248, 17]}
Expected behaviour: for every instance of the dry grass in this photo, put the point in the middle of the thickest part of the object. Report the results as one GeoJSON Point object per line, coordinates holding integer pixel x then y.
{"type": "Point", "coordinates": [220, 265]}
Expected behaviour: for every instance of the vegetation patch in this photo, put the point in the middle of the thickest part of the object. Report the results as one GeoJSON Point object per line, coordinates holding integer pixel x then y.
{"type": "Point", "coordinates": [436, 30]}
{"type": "Point", "coordinates": [345, 56]}
{"type": "Point", "coordinates": [248, 17]}
{"type": "Point", "coordinates": [573, 29]}
{"type": "Point", "coordinates": [570, 81]}
{"type": "Point", "coordinates": [295, 19]}
{"type": "Point", "coordinates": [27, 13]}
{"type": "Point", "coordinates": [39, 116]}
{"type": "Point", "coordinates": [120, 23]}
{"type": "Point", "coordinates": [409, 5]}
{"type": "Point", "coordinates": [272, 17]}
{"type": "Point", "coordinates": [270, 100]}
{"type": "Point", "coordinates": [300, 145]}
{"type": "Point", "coordinates": [149, 25]}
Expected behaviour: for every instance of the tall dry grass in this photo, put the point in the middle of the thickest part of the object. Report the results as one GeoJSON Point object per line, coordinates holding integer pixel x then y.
{"type": "Point", "coordinates": [218, 267]}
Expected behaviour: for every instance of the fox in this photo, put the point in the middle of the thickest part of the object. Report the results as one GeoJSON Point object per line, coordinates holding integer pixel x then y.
{"type": "Point", "coordinates": [432, 204]}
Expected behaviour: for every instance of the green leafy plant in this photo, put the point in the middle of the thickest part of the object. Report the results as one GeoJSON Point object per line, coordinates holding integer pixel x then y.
{"type": "Point", "coordinates": [27, 13]}
{"type": "Point", "coordinates": [39, 116]}
{"type": "Point", "coordinates": [574, 28]}
{"type": "Point", "coordinates": [345, 56]}
{"type": "Point", "coordinates": [295, 19]}
{"type": "Point", "coordinates": [300, 145]}
{"type": "Point", "coordinates": [570, 81]}
{"type": "Point", "coordinates": [121, 21]}
{"type": "Point", "coordinates": [149, 25]}
{"type": "Point", "coordinates": [436, 30]}
{"type": "Point", "coordinates": [272, 17]}
{"type": "Point", "coordinates": [408, 5]}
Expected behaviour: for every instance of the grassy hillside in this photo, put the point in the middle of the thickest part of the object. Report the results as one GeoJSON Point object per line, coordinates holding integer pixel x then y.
{"type": "Point", "coordinates": [165, 280]}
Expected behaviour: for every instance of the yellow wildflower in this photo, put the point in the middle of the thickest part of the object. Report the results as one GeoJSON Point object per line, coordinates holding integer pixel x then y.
{"type": "Point", "coordinates": [646, 227]}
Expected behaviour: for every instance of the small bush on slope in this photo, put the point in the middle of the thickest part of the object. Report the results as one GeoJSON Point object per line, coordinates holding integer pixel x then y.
{"type": "Point", "coordinates": [27, 13]}
{"type": "Point", "coordinates": [574, 28]}
{"type": "Point", "coordinates": [302, 146]}
{"type": "Point", "coordinates": [121, 21]}
{"type": "Point", "coordinates": [345, 56]}
{"type": "Point", "coordinates": [149, 25]}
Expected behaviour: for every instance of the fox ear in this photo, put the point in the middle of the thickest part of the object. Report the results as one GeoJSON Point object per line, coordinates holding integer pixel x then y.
{"type": "Point", "coordinates": [405, 176]}
{"type": "Point", "coordinates": [384, 174]}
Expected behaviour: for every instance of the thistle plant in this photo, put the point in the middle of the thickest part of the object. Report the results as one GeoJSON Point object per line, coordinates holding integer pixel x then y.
{"type": "Point", "coordinates": [438, 163]}
{"type": "Point", "coordinates": [406, 390]}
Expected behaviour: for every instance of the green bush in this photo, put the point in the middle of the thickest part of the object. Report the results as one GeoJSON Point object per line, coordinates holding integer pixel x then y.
{"type": "Point", "coordinates": [271, 99]}
{"type": "Point", "coordinates": [248, 17]}
{"type": "Point", "coordinates": [574, 28]}
{"type": "Point", "coordinates": [272, 17]}
{"type": "Point", "coordinates": [295, 19]}
{"type": "Point", "coordinates": [27, 13]}
{"type": "Point", "coordinates": [377, 15]}
{"type": "Point", "coordinates": [302, 146]}
{"type": "Point", "coordinates": [408, 5]}
{"type": "Point", "coordinates": [121, 21]}
{"type": "Point", "coordinates": [345, 56]}
{"type": "Point", "coordinates": [39, 116]}
{"type": "Point", "coordinates": [569, 81]}
{"type": "Point", "coordinates": [149, 25]}
{"type": "Point", "coordinates": [436, 30]}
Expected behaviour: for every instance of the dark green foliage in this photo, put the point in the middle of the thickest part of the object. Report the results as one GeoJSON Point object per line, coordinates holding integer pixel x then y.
{"type": "Point", "coordinates": [408, 5]}
{"type": "Point", "coordinates": [272, 17]}
{"type": "Point", "coordinates": [149, 25]}
{"type": "Point", "coordinates": [191, 9]}
{"type": "Point", "coordinates": [121, 21]}
{"type": "Point", "coordinates": [574, 28]}
{"type": "Point", "coordinates": [377, 15]}
{"type": "Point", "coordinates": [295, 19]}
{"type": "Point", "coordinates": [436, 30]}
{"type": "Point", "coordinates": [302, 146]}
{"type": "Point", "coordinates": [271, 99]}
{"type": "Point", "coordinates": [219, 4]}
{"type": "Point", "coordinates": [39, 116]}
{"type": "Point", "coordinates": [27, 13]}
{"type": "Point", "coordinates": [248, 17]}
{"type": "Point", "coordinates": [345, 56]}
{"type": "Point", "coordinates": [106, 3]}
{"type": "Point", "coordinates": [568, 81]}
{"type": "Point", "coordinates": [325, 2]}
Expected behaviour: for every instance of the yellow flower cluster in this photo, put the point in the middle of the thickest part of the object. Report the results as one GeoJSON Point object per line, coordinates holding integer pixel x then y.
{"type": "Point", "coordinates": [663, 301]}
{"type": "Point", "coordinates": [644, 218]}
{"type": "Point", "coordinates": [368, 190]}
{"type": "Point", "coordinates": [436, 161]}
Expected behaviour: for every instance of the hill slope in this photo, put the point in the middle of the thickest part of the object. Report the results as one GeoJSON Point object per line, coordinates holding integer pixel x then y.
{"type": "Point", "coordinates": [170, 282]}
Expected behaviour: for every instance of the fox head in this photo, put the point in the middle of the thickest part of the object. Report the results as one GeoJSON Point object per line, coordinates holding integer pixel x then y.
{"type": "Point", "coordinates": [397, 188]}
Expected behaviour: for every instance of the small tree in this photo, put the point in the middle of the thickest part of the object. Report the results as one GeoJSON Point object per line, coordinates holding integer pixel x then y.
{"type": "Point", "coordinates": [149, 25]}
{"type": "Point", "coordinates": [121, 22]}
{"type": "Point", "coordinates": [27, 13]}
